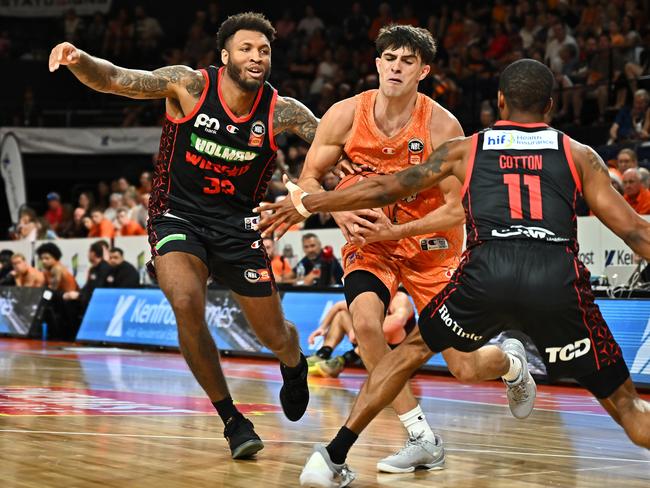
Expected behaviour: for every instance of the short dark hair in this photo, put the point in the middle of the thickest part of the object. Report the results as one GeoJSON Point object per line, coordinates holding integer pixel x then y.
{"type": "Point", "coordinates": [97, 248]}
{"type": "Point", "coordinates": [253, 21]}
{"type": "Point", "coordinates": [309, 235]}
{"type": "Point", "coordinates": [527, 85]}
{"type": "Point", "coordinates": [96, 209]}
{"type": "Point", "coordinates": [49, 248]}
{"type": "Point", "coordinates": [117, 250]}
{"type": "Point", "coordinates": [418, 40]}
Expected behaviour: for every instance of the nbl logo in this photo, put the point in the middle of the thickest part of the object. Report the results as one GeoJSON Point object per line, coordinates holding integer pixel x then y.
{"type": "Point", "coordinates": [416, 146]}
{"type": "Point", "coordinates": [210, 124]}
{"type": "Point", "coordinates": [258, 129]}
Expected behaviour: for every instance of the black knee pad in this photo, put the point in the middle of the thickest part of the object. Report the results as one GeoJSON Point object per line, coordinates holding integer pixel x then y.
{"type": "Point", "coordinates": [359, 282]}
{"type": "Point", "coordinates": [606, 380]}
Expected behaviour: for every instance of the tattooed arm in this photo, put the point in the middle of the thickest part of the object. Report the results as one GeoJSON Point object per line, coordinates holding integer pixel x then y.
{"type": "Point", "coordinates": [175, 82]}
{"type": "Point", "coordinates": [292, 116]}
{"type": "Point", "coordinates": [606, 203]}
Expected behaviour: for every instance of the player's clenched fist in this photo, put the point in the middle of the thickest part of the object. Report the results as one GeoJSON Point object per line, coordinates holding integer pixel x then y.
{"type": "Point", "coordinates": [63, 54]}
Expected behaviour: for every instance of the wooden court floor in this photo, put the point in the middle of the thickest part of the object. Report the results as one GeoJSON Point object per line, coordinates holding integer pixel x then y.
{"type": "Point", "coordinates": [111, 418]}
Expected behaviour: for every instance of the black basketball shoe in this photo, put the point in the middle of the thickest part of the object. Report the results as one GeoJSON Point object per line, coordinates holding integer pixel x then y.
{"type": "Point", "coordinates": [241, 437]}
{"type": "Point", "coordinates": [294, 394]}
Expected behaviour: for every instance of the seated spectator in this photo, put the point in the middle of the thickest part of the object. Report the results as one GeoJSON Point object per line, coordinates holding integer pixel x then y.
{"type": "Point", "coordinates": [632, 123]}
{"type": "Point", "coordinates": [54, 213]}
{"type": "Point", "coordinates": [86, 201]}
{"type": "Point", "coordinates": [122, 274]}
{"type": "Point", "coordinates": [147, 31]}
{"type": "Point", "coordinates": [115, 201]}
{"type": "Point", "coordinates": [319, 267]}
{"type": "Point", "coordinates": [43, 230]}
{"type": "Point", "coordinates": [57, 276]}
{"type": "Point", "coordinates": [6, 270]}
{"type": "Point", "coordinates": [126, 226]}
{"type": "Point", "coordinates": [635, 194]}
{"type": "Point", "coordinates": [399, 322]}
{"type": "Point", "coordinates": [101, 227]}
{"type": "Point", "coordinates": [310, 23]}
{"type": "Point", "coordinates": [24, 274]}
{"type": "Point", "coordinates": [279, 264]}
{"type": "Point", "coordinates": [146, 182]}
{"type": "Point", "coordinates": [320, 220]}
{"type": "Point", "coordinates": [27, 228]}
{"type": "Point", "coordinates": [76, 227]}
{"type": "Point", "coordinates": [97, 274]}
{"type": "Point", "coordinates": [625, 160]}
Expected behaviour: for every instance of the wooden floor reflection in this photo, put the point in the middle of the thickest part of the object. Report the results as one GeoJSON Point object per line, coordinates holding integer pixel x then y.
{"type": "Point", "coordinates": [111, 418]}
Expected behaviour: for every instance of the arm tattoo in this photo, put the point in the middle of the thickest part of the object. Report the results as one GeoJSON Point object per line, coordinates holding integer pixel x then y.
{"type": "Point", "coordinates": [597, 163]}
{"type": "Point", "coordinates": [291, 115]}
{"type": "Point", "coordinates": [416, 177]}
{"type": "Point", "coordinates": [103, 76]}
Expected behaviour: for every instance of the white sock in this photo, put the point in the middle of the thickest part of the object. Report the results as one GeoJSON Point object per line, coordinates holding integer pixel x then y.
{"type": "Point", "coordinates": [515, 369]}
{"type": "Point", "coordinates": [416, 424]}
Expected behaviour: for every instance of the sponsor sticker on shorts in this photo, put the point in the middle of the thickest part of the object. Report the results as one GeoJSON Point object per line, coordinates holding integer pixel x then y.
{"type": "Point", "coordinates": [434, 244]}
{"type": "Point", "coordinates": [251, 223]}
{"type": "Point", "coordinates": [257, 275]}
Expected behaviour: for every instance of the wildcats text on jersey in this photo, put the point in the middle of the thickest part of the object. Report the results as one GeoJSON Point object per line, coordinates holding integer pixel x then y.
{"type": "Point", "coordinates": [520, 140]}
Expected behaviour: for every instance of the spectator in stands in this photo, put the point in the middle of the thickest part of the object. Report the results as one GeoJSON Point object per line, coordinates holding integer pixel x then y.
{"type": "Point", "coordinates": [146, 181]}
{"type": "Point", "coordinates": [5, 44]}
{"type": "Point", "coordinates": [356, 25]}
{"type": "Point", "coordinates": [6, 270]}
{"type": "Point", "coordinates": [310, 23]}
{"type": "Point", "coordinates": [625, 160]}
{"type": "Point", "coordinates": [122, 274]}
{"type": "Point", "coordinates": [554, 45]}
{"type": "Point", "coordinates": [54, 213]}
{"type": "Point", "coordinates": [24, 274]}
{"type": "Point", "coordinates": [645, 177]}
{"type": "Point", "coordinates": [632, 123]}
{"type": "Point", "coordinates": [86, 201]}
{"type": "Point", "coordinates": [320, 220]}
{"type": "Point", "coordinates": [97, 274]}
{"type": "Point", "coordinates": [318, 267]}
{"type": "Point", "coordinates": [72, 26]}
{"type": "Point", "coordinates": [57, 276]}
{"type": "Point", "coordinates": [101, 227]}
{"type": "Point", "coordinates": [279, 264]}
{"type": "Point", "coordinates": [27, 228]}
{"type": "Point", "coordinates": [115, 202]}
{"type": "Point", "coordinates": [43, 230]}
{"type": "Point", "coordinates": [119, 35]}
{"type": "Point", "coordinates": [635, 193]}
{"type": "Point", "coordinates": [147, 32]}
{"type": "Point", "coordinates": [487, 115]}
{"type": "Point", "coordinates": [285, 26]}
{"type": "Point", "coordinates": [95, 33]}
{"type": "Point", "coordinates": [384, 18]}
{"type": "Point", "coordinates": [529, 31]}
{"type": "Point", "coordinates": [197, 44]}
{"type": "Point", "coordinates": [126, 226]}
{"type": "Point", "coordinates": [122, 185]}
{"type": "Point", "coordinates": [76, 227]}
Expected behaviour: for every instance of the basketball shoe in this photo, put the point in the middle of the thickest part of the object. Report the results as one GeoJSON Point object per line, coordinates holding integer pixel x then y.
{"type": "Point", "coordinates": [330, 368]}
{"type": "Point", "coordinates": [521, 393]}
{"type": "Point", "coordinates": [417, 453]}
{"type": "Point", "coordinates": [321, 472]}
{"type": "Point", "coordinates": [241, 437]}
{"type": "Point", "coordinates": [294, 394]}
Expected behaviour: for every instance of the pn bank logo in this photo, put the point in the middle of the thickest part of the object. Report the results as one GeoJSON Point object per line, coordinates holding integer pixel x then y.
{"type": "Point", "coordinates": [117, 322]}
{"type": "Point", "coordinates": [641, 364]}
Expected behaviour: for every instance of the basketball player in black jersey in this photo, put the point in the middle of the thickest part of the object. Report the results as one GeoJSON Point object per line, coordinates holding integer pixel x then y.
{"type": "Point", "coordinates": [521, 268]}
{"type": "Point", "coordinates": [217, 154]}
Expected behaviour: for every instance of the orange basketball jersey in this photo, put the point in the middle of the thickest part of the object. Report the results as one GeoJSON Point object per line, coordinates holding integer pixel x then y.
{"type": "Point", "coordinates": [411, 145]}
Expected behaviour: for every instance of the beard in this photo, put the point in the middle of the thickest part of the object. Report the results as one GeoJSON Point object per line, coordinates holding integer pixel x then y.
{"type": "Point", "coordinates": [237, 75]}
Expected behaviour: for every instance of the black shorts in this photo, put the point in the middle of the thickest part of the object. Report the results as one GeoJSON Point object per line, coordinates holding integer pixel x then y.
{"type": "Point", "coordinates": [538, 288]}
{"type": "Point", "coordinates": [238, 262]}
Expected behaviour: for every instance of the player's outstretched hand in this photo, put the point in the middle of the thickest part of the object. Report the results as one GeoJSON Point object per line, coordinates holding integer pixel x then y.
{"type": "Point", "coordinates": [63, 54]}
{"type": "Point", "coordinates": [277, 217]}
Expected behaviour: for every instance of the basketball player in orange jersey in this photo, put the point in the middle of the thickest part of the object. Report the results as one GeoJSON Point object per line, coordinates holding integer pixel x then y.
{"type": "Point", "coordinates": [391, 129]}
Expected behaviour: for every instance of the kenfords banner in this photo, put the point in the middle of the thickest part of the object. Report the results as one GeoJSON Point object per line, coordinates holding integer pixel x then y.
{"type": "Point", "coordinates": [95, 140]}
{"type": "Point", "coordinates": [52, 8]}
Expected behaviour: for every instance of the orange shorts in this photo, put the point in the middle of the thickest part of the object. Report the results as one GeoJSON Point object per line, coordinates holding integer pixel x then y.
{"type": "Point", "coordinates": [423, 275]}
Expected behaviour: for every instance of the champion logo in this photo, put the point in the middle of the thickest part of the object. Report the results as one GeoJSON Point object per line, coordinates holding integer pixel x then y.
{"type": "Point", "coordinates": [232, 129]}
{"type": "Point", "coordinates": [388, 150]}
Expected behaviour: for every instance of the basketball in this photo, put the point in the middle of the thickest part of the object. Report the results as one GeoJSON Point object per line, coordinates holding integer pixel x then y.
{"type": "Point", "coordinates": [351, 180]}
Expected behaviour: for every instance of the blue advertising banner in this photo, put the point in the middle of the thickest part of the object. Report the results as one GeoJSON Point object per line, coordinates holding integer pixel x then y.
{"type": "Point", "coordinates": [145, 317]}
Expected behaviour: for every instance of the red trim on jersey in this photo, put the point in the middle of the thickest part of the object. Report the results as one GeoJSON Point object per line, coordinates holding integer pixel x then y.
{"type": "Point", "coordinates": [274, 146]}
{"type": "Point", "coordinates": [233, 117]}
{"type": "Point", "coordinates": [584, 312]}
{"type": "Point", "coordinates": [470, 165]}
{"type": "Point", "coordinates": [169, 163]}
{"type": "Point", "coordinates": [566, 142]}
{"type": "Point", "coordinates": [532, 125]}
{"type": "Point", "coordinates": [271, 159]}
{"type": "Point", "coordinates": [197, 106]}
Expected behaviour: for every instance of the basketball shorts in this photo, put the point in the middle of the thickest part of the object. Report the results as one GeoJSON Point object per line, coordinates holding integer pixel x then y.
{"type": "Point", "coordinates": [538, 288]}
{"type": "Point", "coordinates": [237, 262]}
{"type": "Point", "coordinates": [423, 276]}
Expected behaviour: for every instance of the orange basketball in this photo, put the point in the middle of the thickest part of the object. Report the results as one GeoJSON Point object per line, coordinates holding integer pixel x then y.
{"type": "Point", "coordinates": [351, 180]}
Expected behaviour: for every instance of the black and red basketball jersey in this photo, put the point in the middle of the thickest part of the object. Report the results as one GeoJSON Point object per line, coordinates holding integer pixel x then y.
{"type": "Point", "coordinates": [214, 167]}
{"type": "Point", "coordinates": [521, 183]}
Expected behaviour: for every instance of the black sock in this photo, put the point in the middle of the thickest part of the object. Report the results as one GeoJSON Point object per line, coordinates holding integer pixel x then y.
{"type": "Point", "coordinates": [295, 371]}
{"type": "Point", "coordinates": [341, 444]}
{"type": "Point", "coordinates": [226, 409]}
{"type": "Point", "coordinates": [324, 352]}
{"type": "Point", "coordinates": [351, 358]}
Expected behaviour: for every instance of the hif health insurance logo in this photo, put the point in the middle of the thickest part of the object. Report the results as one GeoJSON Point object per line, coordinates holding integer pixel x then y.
{"type": "Point", "coordinates": [641, 363]}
